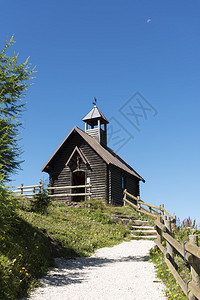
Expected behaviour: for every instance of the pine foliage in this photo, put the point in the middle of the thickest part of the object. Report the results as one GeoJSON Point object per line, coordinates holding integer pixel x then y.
{"type": "Point", "coordinates": [14, 79]}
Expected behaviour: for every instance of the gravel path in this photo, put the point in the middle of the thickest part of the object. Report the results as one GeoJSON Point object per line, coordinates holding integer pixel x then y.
{"type": "Point", "coordinates": [120, 272]}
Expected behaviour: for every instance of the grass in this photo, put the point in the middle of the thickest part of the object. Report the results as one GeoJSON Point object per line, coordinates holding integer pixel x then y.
{"type": "Point", "coordinates": [79, 231]}
{"type": "Point", "coordinates": [163, 272]}
{"type": "Point", "coordinates": [28, 245]}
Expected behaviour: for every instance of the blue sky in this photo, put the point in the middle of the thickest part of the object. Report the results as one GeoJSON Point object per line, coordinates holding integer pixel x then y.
{"type": "Point", "coordinates": [114, 51]}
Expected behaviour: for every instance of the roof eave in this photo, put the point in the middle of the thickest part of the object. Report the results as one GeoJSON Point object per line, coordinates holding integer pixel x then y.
{"type": "Point", "coordinates": [43, 169]}
{"type": "Point", "coordinates": [135, 175]}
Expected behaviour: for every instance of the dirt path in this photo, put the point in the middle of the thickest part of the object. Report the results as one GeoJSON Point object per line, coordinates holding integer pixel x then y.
{"type": "Point", "coordinates": [120, 272]}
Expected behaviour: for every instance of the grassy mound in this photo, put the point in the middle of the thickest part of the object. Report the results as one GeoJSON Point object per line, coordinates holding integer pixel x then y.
{"type": "Point", "coordinates": [29, 243]}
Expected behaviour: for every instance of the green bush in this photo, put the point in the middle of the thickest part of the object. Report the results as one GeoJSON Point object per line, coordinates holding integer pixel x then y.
{"type": "Point", "coordinates": [41, 201]}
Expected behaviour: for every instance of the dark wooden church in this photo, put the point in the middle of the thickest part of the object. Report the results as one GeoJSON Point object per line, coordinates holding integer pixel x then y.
{"type": "Point", "coordinates": [83, 158]}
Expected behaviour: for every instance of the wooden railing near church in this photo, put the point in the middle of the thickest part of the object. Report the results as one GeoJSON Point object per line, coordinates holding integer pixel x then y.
{"type": "Point", "coordinates": [33, 190]}
{"type": "Point", "coordinates": [165, 225]}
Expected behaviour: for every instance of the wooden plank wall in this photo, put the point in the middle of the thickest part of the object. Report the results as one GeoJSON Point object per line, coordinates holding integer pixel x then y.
{"type": "Point", "coordinates": [133, 185]}
{"type": "Point", "coordinates": [93, 133]}
{"type": "Point", "coordinates": [116, 186]}
{"type": "Point", "coordinates": [106, 180]}
{"type": "Point", "coordinates": [97, 169]}
{"type": "Point", "coordinates": [115, 182]}
{"type": "Point", "coordinates": [98, 174]}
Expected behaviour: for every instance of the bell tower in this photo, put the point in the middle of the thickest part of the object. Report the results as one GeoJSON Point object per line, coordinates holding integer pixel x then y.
{"type": "Point", "coordinates": [96, 125]}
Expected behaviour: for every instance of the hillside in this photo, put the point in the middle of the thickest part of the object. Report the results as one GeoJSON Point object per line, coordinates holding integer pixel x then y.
{"type": "Point", "coordinates": [30, 242]}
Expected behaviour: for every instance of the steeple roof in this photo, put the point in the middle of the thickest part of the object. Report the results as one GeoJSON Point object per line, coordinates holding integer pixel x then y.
{"type": "Point", "coordinates": [94, 114]}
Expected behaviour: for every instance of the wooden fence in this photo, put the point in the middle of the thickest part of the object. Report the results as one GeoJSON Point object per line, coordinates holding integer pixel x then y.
{"type": "Point", "coordinates": [165, 224]}
{"type": "Point", "coordinates": [33, 190]}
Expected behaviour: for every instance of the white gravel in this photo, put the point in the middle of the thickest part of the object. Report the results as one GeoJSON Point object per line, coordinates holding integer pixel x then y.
{"type": "Point", "coordinates": [120, 272]}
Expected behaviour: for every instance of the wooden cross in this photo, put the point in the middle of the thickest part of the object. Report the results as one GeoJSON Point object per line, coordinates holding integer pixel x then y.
{"type": "Point", "coordinates": [95, 101]}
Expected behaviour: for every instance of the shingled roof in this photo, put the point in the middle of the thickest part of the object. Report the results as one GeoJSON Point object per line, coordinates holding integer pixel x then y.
{"type": "Point", "coordinates": [107, 154]}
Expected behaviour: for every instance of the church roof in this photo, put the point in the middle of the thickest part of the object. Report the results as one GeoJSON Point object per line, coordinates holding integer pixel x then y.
{"type": "Point", "coordinates": [95, 113]}
{"type": "Point", "coordinates": [107, 154]}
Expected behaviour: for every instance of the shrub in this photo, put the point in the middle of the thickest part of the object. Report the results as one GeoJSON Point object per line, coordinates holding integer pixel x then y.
{"type": "Point", "coordinates": [41, 201]}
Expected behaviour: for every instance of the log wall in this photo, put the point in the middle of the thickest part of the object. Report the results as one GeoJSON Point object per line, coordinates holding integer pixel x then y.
{"type": "Point", "coordinates": [115, 185]}
{"type": "Point", "coordinates": [106, 180]}
{"type": "Point", "coordinates": [61, 175]}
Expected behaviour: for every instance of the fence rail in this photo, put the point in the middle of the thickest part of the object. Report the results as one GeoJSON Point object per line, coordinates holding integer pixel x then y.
{"type": "Point", "coordinates": [33, 190]}
{"type": "Point", "coordinates": [189, 250]}
{"type": "Point", "coordinates": [138, 205]}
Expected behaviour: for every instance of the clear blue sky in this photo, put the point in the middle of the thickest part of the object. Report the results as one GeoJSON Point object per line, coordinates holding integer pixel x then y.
{"type": "Point", "coordinates": [110, 50]}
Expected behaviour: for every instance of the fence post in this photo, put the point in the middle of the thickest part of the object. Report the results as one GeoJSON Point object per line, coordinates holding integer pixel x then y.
{"type": "Point", "coordinates": [21, 187]}
{"type": "Point", "coordinates": [34, 193]}
{"type": "Point", "coordinates": [40, 187]}
{"type": "Point", "coordinates": [89, 191]}
{"type": "Point", "coordinates": [169, 229]}
{"type": "Point", "coordinates": [162, 211]}
{"type": "Point", "coordinates": [159, 232]}
{"type": "Point", "coordinates": [173, 225]}
{"type": "Point", "coordinates": [124, 196]}
{"type": "Point", "coordinates": [170, 249]}
{"type": "Point", "coordinates": [195, 267]}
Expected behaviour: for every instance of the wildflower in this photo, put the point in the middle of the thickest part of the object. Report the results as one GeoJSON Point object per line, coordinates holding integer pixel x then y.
{"type": "Point", "coordinates": [20, 255]}
{"type": "Point", "coordinates": [162, 273]}
{"type": "Point", "coordinates": [23, 268]}
{"type": "Point", "coordinates": [170, 293]}
{"type": "Point", "coordinates": [27, 274]}
{"type": "Point", "coordinates": [175, 296]}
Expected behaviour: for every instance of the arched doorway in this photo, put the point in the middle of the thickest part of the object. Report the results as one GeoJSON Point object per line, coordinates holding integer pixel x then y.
{"type": "Point", "coordinates": [78, 178]}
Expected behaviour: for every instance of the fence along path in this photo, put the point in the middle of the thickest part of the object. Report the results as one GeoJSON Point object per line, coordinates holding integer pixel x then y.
{"type": "Point", "coordinates": [33, 190]}
{"type": "Point", "coordinates": [165, 224]}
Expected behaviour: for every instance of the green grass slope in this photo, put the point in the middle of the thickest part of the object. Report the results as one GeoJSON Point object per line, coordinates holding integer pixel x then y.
{"type": "Point", "coordinates": [29, 243]}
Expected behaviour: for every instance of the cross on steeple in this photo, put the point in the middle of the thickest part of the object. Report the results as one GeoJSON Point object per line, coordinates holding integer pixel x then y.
{"type": "Point", "coordinates": [95, 101]}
